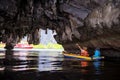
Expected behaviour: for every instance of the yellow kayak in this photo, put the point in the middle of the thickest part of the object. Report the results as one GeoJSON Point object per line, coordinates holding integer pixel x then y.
{"type": "Point", "coordinates": [72, 55]}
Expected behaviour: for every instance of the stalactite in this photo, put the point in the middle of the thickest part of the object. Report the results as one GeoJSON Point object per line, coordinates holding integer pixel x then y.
{"type": "Point", "coordinates": [46, 31]}
{"type": "Point", "coordinates": [36, 37]}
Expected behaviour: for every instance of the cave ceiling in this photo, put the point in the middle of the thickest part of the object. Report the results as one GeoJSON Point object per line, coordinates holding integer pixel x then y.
{"type": "Point", "coordinates": [91, 23]}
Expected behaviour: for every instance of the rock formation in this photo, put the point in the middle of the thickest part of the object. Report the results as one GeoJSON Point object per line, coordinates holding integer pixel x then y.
{"type": "Point", "coordinates": [91, 23]}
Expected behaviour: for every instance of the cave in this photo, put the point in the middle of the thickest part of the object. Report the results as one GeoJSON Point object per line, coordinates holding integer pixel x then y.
{"type": "Point", "coordinates": [91, 23]}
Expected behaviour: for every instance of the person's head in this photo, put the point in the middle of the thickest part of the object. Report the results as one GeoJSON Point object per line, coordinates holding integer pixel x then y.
{"type": "Point", "coordinates": [85, 48]}
{"type": "Point", "coordinates": [77, 44]}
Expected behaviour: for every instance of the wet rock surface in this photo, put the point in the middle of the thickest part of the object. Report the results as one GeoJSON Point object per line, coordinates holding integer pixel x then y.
{"type": "Point", "coordinates": [91, 23]}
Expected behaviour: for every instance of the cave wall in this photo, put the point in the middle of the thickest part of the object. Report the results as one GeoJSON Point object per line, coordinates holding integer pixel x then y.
{"type": "Point", "coordinates": [91, 23]}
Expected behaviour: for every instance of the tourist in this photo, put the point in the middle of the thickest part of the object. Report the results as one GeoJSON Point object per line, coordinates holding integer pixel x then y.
{"type": "Point", "coordinates": [84, 51]}
{"type": "Point", "coordinates": [97, 53]}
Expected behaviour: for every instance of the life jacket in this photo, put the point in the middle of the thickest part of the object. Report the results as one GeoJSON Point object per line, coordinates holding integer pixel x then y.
{"type": "Point", "coordinates": [84, 53]}
{"type": "Point", "coordinates": [96, 53]}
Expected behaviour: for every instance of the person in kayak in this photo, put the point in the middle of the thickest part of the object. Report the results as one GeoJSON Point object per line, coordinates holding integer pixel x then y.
{"type": "Point", "coordinates": [97, 53]}
{"type": "Point", "coordinates": [84, 51]}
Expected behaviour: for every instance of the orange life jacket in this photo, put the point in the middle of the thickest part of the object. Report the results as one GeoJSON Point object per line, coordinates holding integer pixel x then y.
{"type": "Point", "coordinates": [84, 53]}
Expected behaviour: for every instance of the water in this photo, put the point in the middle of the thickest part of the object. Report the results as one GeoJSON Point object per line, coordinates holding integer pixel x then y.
{"type": "Point", "coordinates": [50, 65]}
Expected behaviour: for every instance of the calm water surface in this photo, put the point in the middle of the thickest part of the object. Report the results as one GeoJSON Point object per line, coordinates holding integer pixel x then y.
{"type": "Point", "coordinates": [50, 65]}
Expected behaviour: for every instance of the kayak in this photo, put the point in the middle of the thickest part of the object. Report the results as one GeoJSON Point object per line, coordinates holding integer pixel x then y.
{"type": "Point", "coordinates": [77, 56]}
{"type": "Point", "coordinates": [23, 46]}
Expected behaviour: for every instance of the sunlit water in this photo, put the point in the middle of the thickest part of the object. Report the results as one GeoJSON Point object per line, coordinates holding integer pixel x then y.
{"type": "Point", "coordinates": [46, 64]}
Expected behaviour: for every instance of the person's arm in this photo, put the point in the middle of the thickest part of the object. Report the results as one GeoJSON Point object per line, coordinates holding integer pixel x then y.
{"type": "Point", "coordinates": [79, 46]}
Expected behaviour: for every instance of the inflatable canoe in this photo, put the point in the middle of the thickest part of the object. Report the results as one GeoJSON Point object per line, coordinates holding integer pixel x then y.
{"type": "Point", "coordinates": [71, 55]}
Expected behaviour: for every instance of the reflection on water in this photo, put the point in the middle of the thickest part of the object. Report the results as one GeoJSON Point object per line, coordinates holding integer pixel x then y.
{"type": "Point", "coordinates": [50, 61]}
{"type": "Point", "coordinates": [51, 65]}
{"type": "Point", "coordinates": [97, 65]}
{"type": "Point", "coordinates": [31, 60]}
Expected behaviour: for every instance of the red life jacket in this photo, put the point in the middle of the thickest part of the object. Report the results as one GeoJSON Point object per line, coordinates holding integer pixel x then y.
{"type": "Point", "coordinates": [84, 53]}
